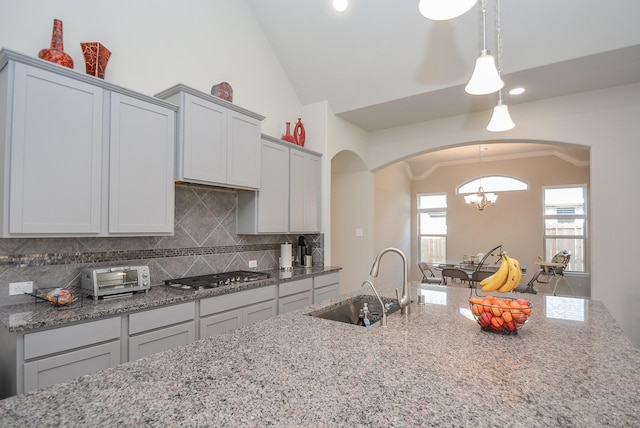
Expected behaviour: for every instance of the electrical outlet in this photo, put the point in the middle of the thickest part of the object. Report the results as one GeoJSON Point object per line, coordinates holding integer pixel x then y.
{"type": "Point", "coordinates": [253, 263]}
{"type": "Point", "coordinates": [16, 288]}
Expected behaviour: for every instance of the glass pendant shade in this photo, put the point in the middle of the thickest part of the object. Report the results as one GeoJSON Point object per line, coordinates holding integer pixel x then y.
{"type": "Point", "coordinates": [441, 10]}
{"type": "Point", "coordinates": [500, 120]}
{"type": "Point", "coordinates": [485, 78]}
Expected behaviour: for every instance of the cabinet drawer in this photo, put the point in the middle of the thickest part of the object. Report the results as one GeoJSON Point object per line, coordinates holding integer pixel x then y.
{"type": "Point", "coordinates": [65, 338]}
{"type": "Point", "coordinates": [236, 300]}
{"type": "Point", "coordinates": [293, 287]}
{"type": "Point", "coordinates": [61, 368]}
{"type": "Point", "coordinates": [161, 317]}
{"type": "Point", "coordinates": [324, 280]}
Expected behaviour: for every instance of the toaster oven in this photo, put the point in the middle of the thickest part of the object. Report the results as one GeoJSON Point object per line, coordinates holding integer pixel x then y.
{"type": "Point", "coordinates": [113, 281]}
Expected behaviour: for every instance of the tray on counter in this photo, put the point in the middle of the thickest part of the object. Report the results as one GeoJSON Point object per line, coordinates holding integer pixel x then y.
{"type": "Point", "coordinates": [39, 296]}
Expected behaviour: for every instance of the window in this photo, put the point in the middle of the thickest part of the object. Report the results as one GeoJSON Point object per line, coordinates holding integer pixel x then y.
{"type": "Point", "coordinates": [565, 222]}
{"type": "Point", "coordinates": [493, 183]}
{"type": "Point", "coordinates": [432, 228]}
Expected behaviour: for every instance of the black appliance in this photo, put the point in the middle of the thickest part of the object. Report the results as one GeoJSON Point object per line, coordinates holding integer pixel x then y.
{"type": "Point", "coordinates": [215, 280]}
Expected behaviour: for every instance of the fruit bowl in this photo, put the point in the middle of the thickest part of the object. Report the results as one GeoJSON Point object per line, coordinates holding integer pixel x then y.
{"type": "Point", "coordinates": [500, 315]}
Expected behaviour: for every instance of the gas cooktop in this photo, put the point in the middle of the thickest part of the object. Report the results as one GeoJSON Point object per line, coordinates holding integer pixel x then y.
{"type": "Point", "coordinates": [215, 280]}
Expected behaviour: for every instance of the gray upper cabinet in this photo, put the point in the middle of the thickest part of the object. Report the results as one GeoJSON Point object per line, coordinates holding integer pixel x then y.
{"type": "Point", "coordinates": [218, 142]}
{"type": "Point", "coordinates": [304, 198]}
{"type": "Point", "coordinates": [141, 167]}
{"type": "Point", "coordinates": [81, 156]}
{"type": "Point", "coordinates": [54, 149]}
{"type": "Point", "coordinates": [289, 196]}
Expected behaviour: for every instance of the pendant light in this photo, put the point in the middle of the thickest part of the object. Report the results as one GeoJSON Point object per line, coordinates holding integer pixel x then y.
{"type": "Point", "coordinates": [500, 119]}
{"type": "Point", "coordinates": [485, 78]}
{"type": "Point", "coordinates": [441, 10]}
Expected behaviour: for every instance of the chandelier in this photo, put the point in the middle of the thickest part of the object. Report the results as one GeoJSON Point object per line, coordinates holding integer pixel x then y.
{"type": "Point", "coordinates": [480, 199]}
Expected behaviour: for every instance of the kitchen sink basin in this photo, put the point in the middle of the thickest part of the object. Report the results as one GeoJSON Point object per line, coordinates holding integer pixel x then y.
{"type": "Point", "coordinates": [347, 311]}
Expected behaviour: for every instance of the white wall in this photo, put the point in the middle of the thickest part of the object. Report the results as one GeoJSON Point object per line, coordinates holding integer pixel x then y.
{"type": "Point", "coordinates": [156, 44]}
{"type": "Point", "coordinates": [351, 199]}
{"type": "Point", "coordinates": [392, 221]}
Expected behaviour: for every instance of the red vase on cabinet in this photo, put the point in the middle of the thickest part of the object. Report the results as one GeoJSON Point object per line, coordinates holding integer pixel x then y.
{"type": "Point", "coordinates": [55, 53]}
{"type": "Point", "coordinates": [299, 133]}
{"type": "Point", "coordinates": [96, 57]}
{"type": "Point", "coordinates": [288, 137]}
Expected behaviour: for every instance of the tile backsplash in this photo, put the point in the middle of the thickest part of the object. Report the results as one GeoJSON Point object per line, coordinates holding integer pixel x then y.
{"type": "Point", "coordinates": [205, 241]}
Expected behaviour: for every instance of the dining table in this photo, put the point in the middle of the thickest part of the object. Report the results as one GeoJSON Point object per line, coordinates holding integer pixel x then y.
{"type": "Point", "coordinates": [470, 267]}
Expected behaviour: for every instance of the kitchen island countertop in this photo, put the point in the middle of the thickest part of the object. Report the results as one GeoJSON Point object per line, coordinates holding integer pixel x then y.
{"type": "Point", "coordinates": [570, 365]}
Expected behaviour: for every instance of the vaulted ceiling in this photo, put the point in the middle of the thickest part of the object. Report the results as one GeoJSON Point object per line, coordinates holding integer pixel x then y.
{"type": "Point", "coordinates": [381, 64]}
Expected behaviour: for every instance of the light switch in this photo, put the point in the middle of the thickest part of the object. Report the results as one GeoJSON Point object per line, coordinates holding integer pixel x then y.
{"type": "Point", "coordinates": [359, 232]}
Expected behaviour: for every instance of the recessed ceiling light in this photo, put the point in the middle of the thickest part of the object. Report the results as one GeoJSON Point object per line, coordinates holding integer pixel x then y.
{"type": "Point", "coordinates": [516, 91]}
{"type": "Point", "coordinates": [340, 5]}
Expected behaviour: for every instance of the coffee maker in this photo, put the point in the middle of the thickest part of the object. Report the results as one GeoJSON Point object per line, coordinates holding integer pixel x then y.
{"type": "Point", "coordinates": [304, 254]}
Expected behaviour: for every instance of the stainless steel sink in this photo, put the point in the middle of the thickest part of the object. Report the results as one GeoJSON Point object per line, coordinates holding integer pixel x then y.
{"type": "Point", "coordinates": [347, 311]}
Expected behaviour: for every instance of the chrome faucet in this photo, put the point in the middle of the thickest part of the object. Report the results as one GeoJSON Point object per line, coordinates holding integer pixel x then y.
{"type": "Point", "coordinates": [405, 300]}
{"type": "Point", "coordinates": [384, 308]}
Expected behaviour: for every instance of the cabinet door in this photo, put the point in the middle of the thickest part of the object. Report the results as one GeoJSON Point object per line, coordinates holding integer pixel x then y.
{"type": "Point", "coordinates": [56, 154]}
{"type": "Point", "coordinates": [325, 293]}
{"type": "Point", "coordinates": [305, 192]}
{"type": "Point", "coordinates": [61, 368]}
{"type": "Point", "coordinates": [273, 197]}
{"type": "Point", "coordinates": [294, 302]}
{"type": "Point", "coordinates": [216, 324]}
{"type": "Point", "coordinates": [260, 312]}
{"type": "Point", "coordinates": [141, 179]}
{"type": "Point", "coordinates": [205, 144]}
{"type": "Point", "coordinates": [161, 340]}
{"type": "Point", "coordinates": [243, 151]}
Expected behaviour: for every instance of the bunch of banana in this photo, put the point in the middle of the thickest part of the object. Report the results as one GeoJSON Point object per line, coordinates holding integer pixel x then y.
{"type": "Point", "coordinates": [506, 278]}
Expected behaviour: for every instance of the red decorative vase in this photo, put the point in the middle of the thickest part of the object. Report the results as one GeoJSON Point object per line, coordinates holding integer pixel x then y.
{"type": "Point", "coordinates": [96, 57]}
{"type": "Point", "coordinates": [56, 53]}
{"type": "Point", "coordinates": [298, 133]}
{"type": "Point", "coordinates": [288, 137]}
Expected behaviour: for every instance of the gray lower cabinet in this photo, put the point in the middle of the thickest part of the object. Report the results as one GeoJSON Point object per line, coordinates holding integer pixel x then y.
{"type": "Point", "coordinates": [326, 287]}
{"type": "Point", "coordinates": [232, 311]}
{"type": "Point", "coordinates": [293, 295]}
{"type": "Point", "coordinates": [57, 355]}
{"type": "Point", "coordinates": [161, 329]}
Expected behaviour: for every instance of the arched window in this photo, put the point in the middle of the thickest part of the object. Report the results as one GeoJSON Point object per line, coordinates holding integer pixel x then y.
{"type": "Point", "coordinates": [492, 183]}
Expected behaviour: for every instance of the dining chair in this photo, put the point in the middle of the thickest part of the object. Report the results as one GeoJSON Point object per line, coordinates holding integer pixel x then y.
{"type": "Point", "coordinates": [455, 274]}
{"type": "Point", "coordinates": [428, 277]}
{"type": "Point", "coordinates": [479, 275]}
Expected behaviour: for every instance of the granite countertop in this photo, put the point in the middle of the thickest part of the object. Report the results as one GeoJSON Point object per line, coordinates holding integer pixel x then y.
{"type": "Point", "coordinates": [40, 314]}
{"type": "Point", "coordinates": [570, 365]}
